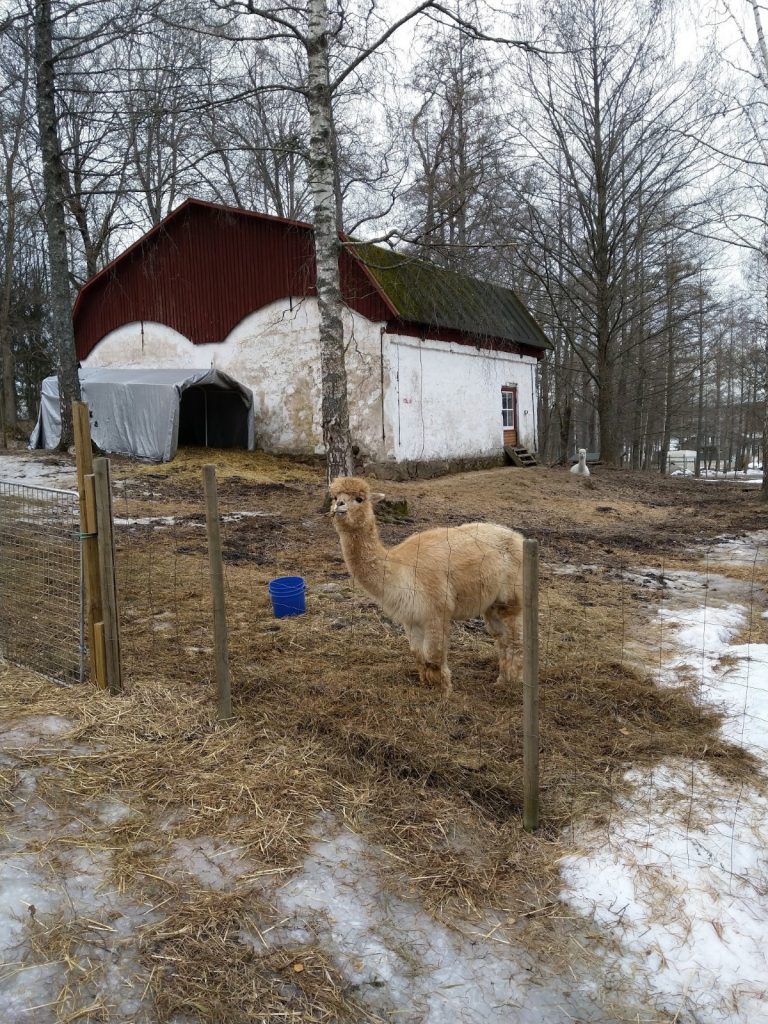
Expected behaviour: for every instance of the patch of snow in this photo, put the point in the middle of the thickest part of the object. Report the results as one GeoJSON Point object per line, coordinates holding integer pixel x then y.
{"type": "Point", "coordinates": [681, 879]}
{"type": "Point", "coordinates": [733, 677]}
{"type": "Point", "coordinates": [110, 811]}
{"type": "Point", "coordinates": [30, 731]}
{"type": "Point", "coordinates": [738, 476]}
{"type": "Point", "coordinates": [42, 888]}
{"type": "Point", "coordinates": [26, 989]}
{"type": "Point", "coordinates": [235, 517]}
{"type": "Point", "coordinates": [399, 959]}
{"type": "Point", "coordinates": [212, 862]}
{"type": "Point", "coordinates": [38, 471]}
{"type": "Point", "coordinates": [158, 521]}
{"type": "Point", "coordinates": [575, 569]}
{"type": "Point", "coordinates": [683, 884]}
{"type": "Point", "coordinates": [749, 550]}
{"type": "Point", "coordinates": [46, 879]}
{"type": "Point", "coordinates": [688, 589]}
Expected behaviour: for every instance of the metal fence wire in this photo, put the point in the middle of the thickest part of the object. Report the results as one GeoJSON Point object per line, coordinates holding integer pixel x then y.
{"type": "Point", "coordinates": [41, 584]}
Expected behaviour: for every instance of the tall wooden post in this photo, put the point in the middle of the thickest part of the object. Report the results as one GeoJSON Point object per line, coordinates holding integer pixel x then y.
{"type": "Point", "coordinates": [90, 547]}
{"type": "Point", "coordinates": [530, 685]}
{"type": "Point", "coordinates": [106, 541]}
{"type": "Point", "coordinates": [217, 592]}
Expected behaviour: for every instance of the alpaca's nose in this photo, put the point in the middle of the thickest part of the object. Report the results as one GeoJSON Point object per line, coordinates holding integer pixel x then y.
{"type": "Point", "coordinates": [338, 507]}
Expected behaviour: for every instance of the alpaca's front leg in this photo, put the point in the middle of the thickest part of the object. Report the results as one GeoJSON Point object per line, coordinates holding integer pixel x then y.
{"type": "Point", "coordinates": [419, 657]}
{"type": "Point", "coordinates": [435, 651]}
{"type": "Point", "coordinates": [416, 643]}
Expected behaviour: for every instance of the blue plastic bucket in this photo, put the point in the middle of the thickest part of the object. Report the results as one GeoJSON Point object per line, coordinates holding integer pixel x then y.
{"type": "Point", "coordinates": [287, 593]}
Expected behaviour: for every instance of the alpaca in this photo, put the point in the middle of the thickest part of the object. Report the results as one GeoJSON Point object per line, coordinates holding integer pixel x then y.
{"type": "Point", "coordinates": [434, 577]}
{"type": "Point", "coordinates": [580, 469]}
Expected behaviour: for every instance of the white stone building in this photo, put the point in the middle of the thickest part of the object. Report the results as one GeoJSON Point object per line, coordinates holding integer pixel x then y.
{"type": "Point", "coordinates": [441, 367]}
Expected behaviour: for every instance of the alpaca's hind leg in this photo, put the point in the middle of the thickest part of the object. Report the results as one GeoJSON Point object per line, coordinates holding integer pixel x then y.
{"type": "Point", "coordinates": [504, 623]}
{"type": "Point", "coordinates": [435, 653]}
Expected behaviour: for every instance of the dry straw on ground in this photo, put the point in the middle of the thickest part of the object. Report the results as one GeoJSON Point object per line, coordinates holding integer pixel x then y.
{"type": "Point", "coordinates": [332, 725]}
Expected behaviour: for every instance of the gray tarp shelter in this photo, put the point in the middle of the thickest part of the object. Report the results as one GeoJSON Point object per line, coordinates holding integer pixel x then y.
{"type": "Point", "coordinates": [149, 413]}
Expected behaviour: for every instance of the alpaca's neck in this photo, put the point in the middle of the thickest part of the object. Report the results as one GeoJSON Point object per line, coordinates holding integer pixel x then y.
{"type": "Point", "coordinates": [365, 556]}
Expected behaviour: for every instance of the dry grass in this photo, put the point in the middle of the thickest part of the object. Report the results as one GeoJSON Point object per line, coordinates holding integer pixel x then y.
{"type": "Point", "coordinates": [255, 467]}
{"type": "Point", "coordinates": [330, 721]}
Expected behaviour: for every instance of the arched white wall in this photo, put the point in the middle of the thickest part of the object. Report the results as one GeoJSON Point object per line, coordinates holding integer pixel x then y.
{"type": "Point", "coordinates": [274, 351]}
{"type": "Point", "coordinates": [409, 399]}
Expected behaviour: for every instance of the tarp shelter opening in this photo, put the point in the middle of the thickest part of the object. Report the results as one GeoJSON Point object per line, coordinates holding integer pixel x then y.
{"type": "Point", "coordinates": [149, 413]}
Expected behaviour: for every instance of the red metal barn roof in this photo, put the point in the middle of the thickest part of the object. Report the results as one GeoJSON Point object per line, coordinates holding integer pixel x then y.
{"type": "Point", "coordinates": [205, 267]}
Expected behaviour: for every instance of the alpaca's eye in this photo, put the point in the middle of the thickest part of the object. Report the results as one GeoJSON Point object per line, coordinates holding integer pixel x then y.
{"type": "Point", "coordinates": [359, 501]}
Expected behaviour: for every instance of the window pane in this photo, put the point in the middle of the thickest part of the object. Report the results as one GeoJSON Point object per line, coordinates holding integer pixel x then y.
{"type": "Point", "coordinates": [508, 408]}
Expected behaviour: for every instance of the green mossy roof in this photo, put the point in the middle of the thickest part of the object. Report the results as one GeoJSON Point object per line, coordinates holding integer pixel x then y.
{"type": "Point", "coordinates": [428, 295]}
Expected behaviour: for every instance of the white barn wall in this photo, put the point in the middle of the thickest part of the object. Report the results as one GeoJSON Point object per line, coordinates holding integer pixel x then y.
{"type": "Point", "coordinates": [270, 351]}
{"type": "Point", "coordinates": [446, 399]}
{"type": "Point", "coordinates": [439, 400]}
{"type": "Point", "coordinates": [275, 352]}
{"type": "Point", "coordinates": [368, 384]}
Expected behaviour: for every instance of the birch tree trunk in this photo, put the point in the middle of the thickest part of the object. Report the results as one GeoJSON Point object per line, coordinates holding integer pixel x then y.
{"type": "Point", "coordinates": [9, 421]}
{"type": "Point", "coordinates": [54, 195]}
{"type": "Point", "coordinates": [322, 181]}
{"type": "Point", "coordinates": [700, 438]}
{"type": "Point", "coordinates": [763, 72]}
{"type": "Point", "coordinates": [8, 405]}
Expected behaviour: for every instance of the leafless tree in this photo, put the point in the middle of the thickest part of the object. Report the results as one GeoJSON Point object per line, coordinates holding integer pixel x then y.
{"type": "Point", "coordinates": [164, 88]}
{"type": "Point", "coordinates": [95, 160]}
{"type": "Point", "coordinates": [332, 46]}
{"type": "Point", "coordinates": [463, 156]}
{"type": "Point", "coordinates": [746, 158]}
{"type": "Point", "coordinates": [55, 197]}
{"type": "Point", "coordinates": [604, 122]}
{"type": "Point", "coordinates": [13, 110]}
{"type": "Point", "coordinates": [258, 142]}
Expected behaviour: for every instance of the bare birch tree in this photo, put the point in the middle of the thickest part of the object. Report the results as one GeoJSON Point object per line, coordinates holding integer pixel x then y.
{"type": "Point", "coordinates": [55, 196]}
{"type": "Point", "coordinates": [321, 37]}
{"type": "Point", "coordinates": [15, 77]}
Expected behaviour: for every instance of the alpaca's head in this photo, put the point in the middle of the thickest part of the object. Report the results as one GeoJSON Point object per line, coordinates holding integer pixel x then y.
{"type": "Point", "coordinates": [582, 453]}
{"type": "Point", "coordinates": [351, 502]}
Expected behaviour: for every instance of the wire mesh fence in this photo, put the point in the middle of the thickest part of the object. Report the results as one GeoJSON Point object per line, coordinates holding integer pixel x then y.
{"type": "Point", "coordinates": [164, 591]}
{"type": "Point", "coordinates": [41, 594]}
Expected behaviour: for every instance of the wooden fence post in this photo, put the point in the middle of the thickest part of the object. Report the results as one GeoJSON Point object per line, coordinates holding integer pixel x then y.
{"type": "Point", "coordinates": [217, 592]}
{"type": "Point", "coordinates": [88, 531]}
{"type": "Point", "coordinates": [530, 685]}
{"type": "Point", "coordinates": [106, 542]}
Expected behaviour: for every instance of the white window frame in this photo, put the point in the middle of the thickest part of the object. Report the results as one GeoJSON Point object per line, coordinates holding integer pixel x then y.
{"type": "Point", "coordinates": [509, 407]}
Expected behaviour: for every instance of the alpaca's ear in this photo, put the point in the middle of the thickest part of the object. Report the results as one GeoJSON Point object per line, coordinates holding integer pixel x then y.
{"type": "Point", "coordinates": [377, 496]}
